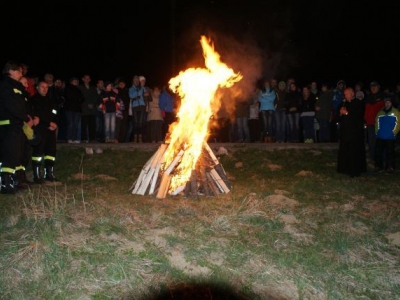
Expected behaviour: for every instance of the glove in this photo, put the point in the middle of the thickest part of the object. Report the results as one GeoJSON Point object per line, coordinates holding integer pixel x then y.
{"type": "Point", "coordinates": [28, 131]}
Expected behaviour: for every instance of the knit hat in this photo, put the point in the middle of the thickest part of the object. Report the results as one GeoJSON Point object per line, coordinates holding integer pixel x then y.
{"type": "Point", "coordinates": [141, 78]}
{"type": "Point", "coordinates": [374, 83]}
{"type": "Point", "coordinates": [388, 98]}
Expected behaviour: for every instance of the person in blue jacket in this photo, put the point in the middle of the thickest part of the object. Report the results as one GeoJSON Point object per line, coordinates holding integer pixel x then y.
{"type": "Point", "coordinates": [387, 127]}
{"type": "Point", "coordinates": [267, 98]}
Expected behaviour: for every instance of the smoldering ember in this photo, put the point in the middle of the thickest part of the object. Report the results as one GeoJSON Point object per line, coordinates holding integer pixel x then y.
{"type": "Point", "coordinates": [185, 163]}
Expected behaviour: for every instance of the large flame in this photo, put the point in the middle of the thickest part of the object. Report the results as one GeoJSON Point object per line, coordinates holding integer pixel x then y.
{"type": "Point", "coordinates": [197, 88]}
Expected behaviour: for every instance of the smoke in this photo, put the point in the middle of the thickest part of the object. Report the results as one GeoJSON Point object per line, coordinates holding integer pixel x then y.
{"type": "Point", "coordinates": [257, 46]}
{"type": "Point", "coordinates": [243, 56]}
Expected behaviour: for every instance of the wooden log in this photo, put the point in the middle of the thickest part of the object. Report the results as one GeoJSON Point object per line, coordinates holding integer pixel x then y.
{"type": "Point", "coordinates": [217, 166]}
{"type": "Point", "coordinates": [203, 178]}
{"type": "Point", "coordinates": [213, 186]}
{"type": "Point", "coordinates": [191, 185]}
{"type": "Point", "coordinates": [151, 172]}
{"type": "Point", "coordinates": [174, 162]}
{"type": "Point", "coordinates": [218, 180]}
{"type": "Point", "coordinates": [211, 154]}
{"type": "Point", "coordinates": [164, 185]}
{"type": "Point", "coordinates": [162, 150]}
{"type": "Point", "coordinates": [144, 171]}
{"type": "Point", "coordinates": [222, 174]}
{"type": "Point", "coordinates": [188, 187]}
{"type": "Point", "coordinates": [178, 190]}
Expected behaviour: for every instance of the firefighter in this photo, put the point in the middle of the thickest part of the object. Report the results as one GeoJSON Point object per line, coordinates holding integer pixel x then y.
{"type": "Point", "coordinates": [13, 116]}
{"type": "Point", "coordinates": [44, 109]}
{"type": "Point", "coordinates": [31, 138]}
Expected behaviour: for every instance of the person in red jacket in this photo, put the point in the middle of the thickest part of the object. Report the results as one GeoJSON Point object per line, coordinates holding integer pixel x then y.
{"type": "Point", "coordinates": [373, 104]}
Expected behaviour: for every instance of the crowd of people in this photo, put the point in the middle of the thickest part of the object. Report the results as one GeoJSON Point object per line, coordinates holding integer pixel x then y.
{"type": "Point", "coordinates": [355, 117]}
{"type": "Point", "coordinates": [36, 113]}
{"type": "Point", "coordinates": [111, 112]}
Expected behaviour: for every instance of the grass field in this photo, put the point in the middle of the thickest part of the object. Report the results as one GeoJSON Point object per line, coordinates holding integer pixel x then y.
{"type": "Point", "coordinates": [291, 228]}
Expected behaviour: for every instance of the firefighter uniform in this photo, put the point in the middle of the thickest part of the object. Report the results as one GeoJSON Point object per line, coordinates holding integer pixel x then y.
{"type": "Point", "coordinates": [30, 138]}
{"type": "Point", "coordinates": [44, 108]}
{"type": "Point", "coordinates": [12, 117]}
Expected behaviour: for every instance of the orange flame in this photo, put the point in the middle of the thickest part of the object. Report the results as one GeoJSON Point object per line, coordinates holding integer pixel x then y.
{"type": "Point", "coordinates": [197, 88]}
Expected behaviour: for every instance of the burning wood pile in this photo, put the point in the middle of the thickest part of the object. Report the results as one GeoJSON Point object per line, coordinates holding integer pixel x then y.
{"type": "Point", "coordinates": [185, 163]}
{"type": "Point", "coordinates": [208, 178]}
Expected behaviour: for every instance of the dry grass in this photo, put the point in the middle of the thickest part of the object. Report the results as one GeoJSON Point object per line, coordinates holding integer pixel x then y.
{"type": "Point", "coordinates": [282, 233]}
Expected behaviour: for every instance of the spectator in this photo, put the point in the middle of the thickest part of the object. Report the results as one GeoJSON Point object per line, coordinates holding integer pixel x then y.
{"type": "Point", "coordinates": [137, 109]}
{"type": "Point", "coordinates": [99, 114]}
{"type": "Point", "coordinates": [254, 114]}
{"type": "Point", "coordinates": [307, 115]}
{"type": "Point", "coordinates": [167, 107]}
{"type": "Point", "coordinates": [338, 97]}
{"type": "Point", "coordinates": [280, 113]}
{"type": "Point", "coordinates": [109, 103]}
{"type": "Point", "coordinates": [154, 117]}
{"type": "Point", "coordinates": [293, 113]}
{"type": "Point", "coordinates": [314, 89]}
{"type": "Point", "coordinates": [359, 90]}
{"type": "Point", "coordinates": [373, 104]}
{"type": "Point", "coordinates": [31, 81]}
{"type": "Point", "coordinates": [323, 113]}
{"type": "Point", "coordinates": [242, 120]}
{"type": "Point", "coordinates": [387, 125]}
{"type": "Point", "coordinates": [351, 155]}
{"type": "Point", "coordinates": [147, 98]}
{"type": "Point", "coordinates": [62, 125]}
{"type": "Point", "coordinates": [123, 95]}
{"type": "Point", "coordinates": [267, 98]}
{"type": "Point", "coordinates": [89, 110]}
{"type": "Point", "coordinates": [73, 109]}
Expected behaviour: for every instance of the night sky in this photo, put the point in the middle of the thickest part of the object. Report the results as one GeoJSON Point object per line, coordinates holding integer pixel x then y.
{"type": "Point", "coordinates": [308, 40]}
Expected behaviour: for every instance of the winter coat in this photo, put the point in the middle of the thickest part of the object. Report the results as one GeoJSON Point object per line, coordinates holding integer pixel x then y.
{"type": "Point", "coordinates": [109, 102]}
{"type": "Point", "coordinates": [373, 105]}
{"type": "Point", "coordinates": [387, 124]}
{"type": "Point", "coordinates": [90, 99]}
{"type": "Point", "coordinates": [73, 99]}
{"type": "Point", "coordinates": [136, 95]}
{"type": "Point", "coordinates": [267, 98]}
{"type": "Point", "coordinates": [154, 113]}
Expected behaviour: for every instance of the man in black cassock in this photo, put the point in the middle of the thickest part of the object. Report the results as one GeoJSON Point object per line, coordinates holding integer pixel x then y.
{"type": "Point", "coordinates": [351, 156]}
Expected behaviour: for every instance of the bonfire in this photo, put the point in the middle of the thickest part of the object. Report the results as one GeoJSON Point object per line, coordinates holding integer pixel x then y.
{"type": "Point", "coordinates": [185, 162]}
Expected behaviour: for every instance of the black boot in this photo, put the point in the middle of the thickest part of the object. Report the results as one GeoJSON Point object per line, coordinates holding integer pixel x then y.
{"type": "Point", "coordinates": [49, 174]}
{"type": "Point", "coordinates": [7, 183]}
{"type": "Point", "coordinates": [37, 177]}
{"type": "Point", "coordinates": [20, 181]}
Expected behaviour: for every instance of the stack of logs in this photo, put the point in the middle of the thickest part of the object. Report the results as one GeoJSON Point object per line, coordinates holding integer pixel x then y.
{"type": "Point", "coordinates": [208, 178]}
